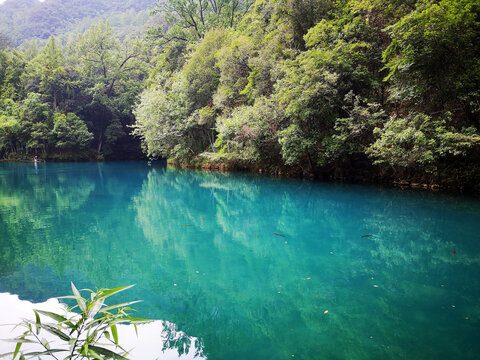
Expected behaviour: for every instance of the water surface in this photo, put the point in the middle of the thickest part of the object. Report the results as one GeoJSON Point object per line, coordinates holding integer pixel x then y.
{"type": "Point", "coordinates": [253, 267]}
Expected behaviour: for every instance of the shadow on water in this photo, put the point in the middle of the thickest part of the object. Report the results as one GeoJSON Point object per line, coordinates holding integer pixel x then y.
{"type": "Point", "coordinates": [202, 249]}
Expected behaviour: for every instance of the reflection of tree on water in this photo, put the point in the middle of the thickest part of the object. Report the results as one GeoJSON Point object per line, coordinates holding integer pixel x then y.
{"type": "Point", "coordinates": [241, 292]}
{"type": "Point", "coordinates": [227, 279]}
{"type": "Point", "coordinates": [30, 203]}
{"type": "Point", "coordinates": [55, 218]}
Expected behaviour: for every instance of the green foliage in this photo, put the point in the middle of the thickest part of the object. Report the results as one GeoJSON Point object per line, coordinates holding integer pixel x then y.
{"type": "Point", "coordinates": [353, 134]}
{"type": "Point", "coordinates": [363, 86]}
{"type": "Point", "coordinates": [433, 57]}
{"type": "Point", "coordinates": [80, 335]}
{"type": "Point", "coordinates": [233, 61]}
{"type": "Point", "coordinates": [162, 118]}
{"type": "Point", "coordinates": [419, 140]}
{"type": "Point", "coordinates": [201, 71]}
{"type": "Point", "coordinates": [70, 132]}
{"type": "Point", "coordinates": [249, 133]}
{"type": "Point", "coordinates": [111, 75]}
{"type": "Point", "coordinates": [69, 96]}
{"type": "Point", "coordinates": [296, 146]}
{"type": "Point", "coordinates": [189, 21]}
{"type": "Point", "coordinates": [46, 72]}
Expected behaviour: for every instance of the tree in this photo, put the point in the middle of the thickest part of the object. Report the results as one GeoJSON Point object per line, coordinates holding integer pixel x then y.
{"type": "Point", "coordinates": [46, 73]}
{"type": "Point", "coordinates": [189, 20]}
{"type": "Point", "coordinates": [161, 120]}
{"type": "Point", "coordinates": [70, 132]}
{"type": "Point", "coordinates": [434, 59]}
{"type": "Point", "coordinates": [420, 141]}
{"type": "Point", "coordinates": [110, 74]}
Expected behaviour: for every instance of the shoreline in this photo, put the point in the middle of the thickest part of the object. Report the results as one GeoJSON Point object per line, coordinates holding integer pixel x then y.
{"type": "Point", "coordinates": [385, 182]}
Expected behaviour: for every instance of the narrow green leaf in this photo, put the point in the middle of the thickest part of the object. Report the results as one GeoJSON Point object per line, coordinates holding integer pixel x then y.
{"type": "Point", "coordinates": [85, 349]}
{"type": "Point", "coordinates": [56, 317]}
{"type": "Point", "coordinates": [55, 331]}
{"type": "Point", "coordinates": [138, 320]}
{"type": "Point", "coordinates": [46, 352]}
{"type": "Point", "coordinates": [115, 334]}
{"type": "Point", "coordinates": [16, 341]}
{"type": "Point", "coordinates": [114, 291]}
{"type": "Point", "coordinates": [17, 349]}
{"type": "Point", "coordinates": [116, 306]}
{"type": "Point", "coordinates": [38, 324]}
{"type": "Point", "coordinates": [79, 298]}
{"type": "Point", "coordinates": [94, 354]}
{"type": "Point", "coordinates": [106, 352]}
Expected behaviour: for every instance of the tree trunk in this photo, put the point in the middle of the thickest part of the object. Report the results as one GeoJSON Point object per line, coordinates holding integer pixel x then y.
{"type": "Point", "coordinates": [100, 143]}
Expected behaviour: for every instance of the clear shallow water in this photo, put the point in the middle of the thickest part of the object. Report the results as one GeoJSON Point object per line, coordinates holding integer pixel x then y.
{"type": "Point", "coordinates": [229, 281]}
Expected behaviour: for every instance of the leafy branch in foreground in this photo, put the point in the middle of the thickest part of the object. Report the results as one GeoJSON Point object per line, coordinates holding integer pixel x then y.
{"type": "Point", "coordinates": [90, 333]}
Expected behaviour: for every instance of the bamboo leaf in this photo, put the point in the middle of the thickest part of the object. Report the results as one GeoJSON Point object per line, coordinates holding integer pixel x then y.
{"type": "Point", "coordinates": [38, 324]}
{"type": "Point", "coordinates": [115, 334]}
{"type": "Point", "coordinates": [55, 331]}
{"type": "Point", "coordinates": [17, 349]}
{"type": "Point", "coordinates": [111, 307]}
{"type": "Point", "coordinates": [66, 297]}
{"type": "Point", "coordinates": [46, 352]}
{"type": "Point", "coordinates": [16, 341]}
{"type": "Point", "coordinates": [56, 317]}
{"type": "Point", "coordinates": [95, 307]}
{"type": "Point", "coordinates": [79, 298]}
{"type": "Point", "coordinates": [94, 354]}
{"type": "Point", "coordinates": [106, 352]}
{"type": "Point", "coordinates": [114, 291]}
{"type": "Point", "coordinates": [138, 320]}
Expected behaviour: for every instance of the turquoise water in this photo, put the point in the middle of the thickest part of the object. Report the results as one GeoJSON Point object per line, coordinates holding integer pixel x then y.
{"type": "Point", "coordinates": [202, 250]}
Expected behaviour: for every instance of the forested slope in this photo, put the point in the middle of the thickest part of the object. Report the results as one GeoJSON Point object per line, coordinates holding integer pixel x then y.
{"type": "Point", "coordinates": [75, 102]}
{"type": "Point", "coordinates": [23, 20]}
{"type": "Point", "coordinates": [363, 90]}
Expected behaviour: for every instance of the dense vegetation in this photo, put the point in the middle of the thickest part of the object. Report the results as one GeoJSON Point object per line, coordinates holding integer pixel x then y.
{"type": "Point", "coordinates": [348, 89]}
{"type": "Point", "coordinates": [23, 20]}
{"type": "Point", "coordinates": [73, 103]}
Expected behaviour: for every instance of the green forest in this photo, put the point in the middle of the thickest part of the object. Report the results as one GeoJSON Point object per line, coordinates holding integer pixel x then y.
{"type": "Point", "coordinates": [346, 90]}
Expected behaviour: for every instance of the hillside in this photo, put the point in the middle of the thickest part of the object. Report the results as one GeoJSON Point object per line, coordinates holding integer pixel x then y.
{"type": "Point", "coordinates": [23, 20]}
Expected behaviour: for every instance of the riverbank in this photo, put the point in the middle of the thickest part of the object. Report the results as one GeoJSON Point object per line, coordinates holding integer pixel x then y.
{"type": "Point", "coordinates": [355, 175]}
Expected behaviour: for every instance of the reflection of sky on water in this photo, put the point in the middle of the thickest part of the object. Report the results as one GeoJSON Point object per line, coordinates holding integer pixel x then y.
{"type": "Point", "coordinates": [151, 342]}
